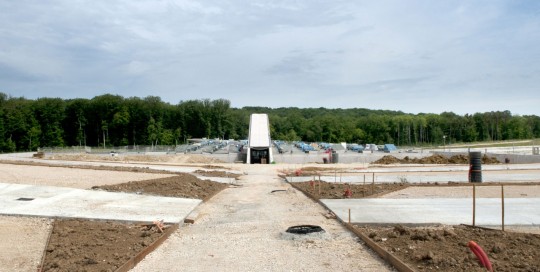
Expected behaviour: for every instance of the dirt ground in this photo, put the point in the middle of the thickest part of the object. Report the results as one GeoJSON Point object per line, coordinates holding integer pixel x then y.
{"type": "Point", "coordinates": [434, 159]}
{"type": "Point", "coordinates": [219, 174]}
{"type": "Point", "coordinates": [181, 185]}
{"type": "Point", "coordinates": [83, 245]}
{"type": "Point", "coordinates": [332, 190]}
{"type": "Point", "coordinates": [173, 158]}
{"type": "Point", "coordinates": [81, 178]}
{"type": "Point", "coordinates": [445, 248]}
{"type": "Point", "coordinates": [329, 190]}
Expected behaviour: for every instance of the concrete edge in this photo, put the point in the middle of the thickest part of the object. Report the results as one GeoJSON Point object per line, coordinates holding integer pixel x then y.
{"type": "Point", "coordinates": [131, 263]}
{"type": "Point", "coordinates": [384, 254]}
{"type": "Point", "coordinates": [42, 262]}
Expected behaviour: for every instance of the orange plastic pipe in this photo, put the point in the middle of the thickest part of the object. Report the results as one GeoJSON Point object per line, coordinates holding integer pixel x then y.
{"type": "Point", "coordinates": [481, 255]}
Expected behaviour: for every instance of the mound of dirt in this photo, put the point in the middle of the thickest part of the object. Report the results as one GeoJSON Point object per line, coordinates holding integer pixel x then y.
{"type": "Point", "coordinates": [183, 185]}
{"type": "Point", "coordinates": [445, 248]}
{"type": "Point", "coordinates": [458, 159]}
{"type": "Point", "coordinates": [490, 160]}
{"type": "Point", "coordinates": [389, 159]}
{"type": "Point", "coordinates": [433, 159]}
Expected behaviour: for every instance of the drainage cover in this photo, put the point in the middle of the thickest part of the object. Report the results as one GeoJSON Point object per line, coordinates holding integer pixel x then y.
{"type": "Point", "coordinates": [25, 199]}
{"type": "Point", "coordinates": [304, 229]}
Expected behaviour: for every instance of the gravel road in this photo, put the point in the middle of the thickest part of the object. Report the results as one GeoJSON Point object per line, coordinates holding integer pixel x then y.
{"type": "Point", "coordinates": [243, 229]}
{"type": "Point", "coordinates": [68, 177]}
{"type": "Point", "coordinates": [23, 241]}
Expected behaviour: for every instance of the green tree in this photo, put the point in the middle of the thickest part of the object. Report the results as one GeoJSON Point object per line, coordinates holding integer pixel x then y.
{"type": "Point", "coordinates": [50, 113]}
{"type": "Point", "coordinates": [120, 123]}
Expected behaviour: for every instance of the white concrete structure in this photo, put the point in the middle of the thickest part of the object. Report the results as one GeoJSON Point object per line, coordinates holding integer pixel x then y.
{"type": "Point", "coordinates": [449, 211]}
{"type": "Point", "coordinates": [260, 145]}
{"type": "Point", "coordinates": [50, 201]}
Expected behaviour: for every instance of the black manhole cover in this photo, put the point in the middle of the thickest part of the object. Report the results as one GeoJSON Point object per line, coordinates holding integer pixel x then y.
{"type": "Point", "coordinates": [25, 199]}
{"type": "Point", "coordinates": [304, 229]}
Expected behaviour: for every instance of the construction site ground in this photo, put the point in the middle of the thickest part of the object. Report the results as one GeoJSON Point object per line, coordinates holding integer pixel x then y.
{"type": "Point", "coordinates": [241, 228]}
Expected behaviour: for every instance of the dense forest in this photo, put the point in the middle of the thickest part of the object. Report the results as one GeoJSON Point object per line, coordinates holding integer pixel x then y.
{"type": "Point", "coordinates": [112, 120]}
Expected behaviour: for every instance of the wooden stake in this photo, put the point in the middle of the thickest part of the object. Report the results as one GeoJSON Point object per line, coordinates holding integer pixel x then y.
{"type": "Point", "coordinates": [502, 202]}
{"type": "Point", "coordinates": [474, 205]}
{"type": "Point", "coordinates": [373, 184]}
{"type": "Point", "coordinates": [349, 216]}
{"type": "Point", "coordinates": [319, 186]}
{"type": "Point", "coordinates": [364, 187]}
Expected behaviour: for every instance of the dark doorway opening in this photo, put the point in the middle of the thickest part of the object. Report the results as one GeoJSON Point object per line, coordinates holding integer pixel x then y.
{"type": "Point", "coordinates": [261, 156]}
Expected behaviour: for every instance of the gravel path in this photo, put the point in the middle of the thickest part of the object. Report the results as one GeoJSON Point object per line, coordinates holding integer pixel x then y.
{"type": "Point", "coordinates": [243, 229]}
{"type": "Point", "coordinates": [68, 177]}
{"type": "Point", "coordinates": [23, 241]}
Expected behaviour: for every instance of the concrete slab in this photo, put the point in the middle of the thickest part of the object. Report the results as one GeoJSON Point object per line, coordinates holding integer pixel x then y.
{"type": "Point", "coordinates": [49, 201]}
{"type": "Point", "coordinates": [450, 211]}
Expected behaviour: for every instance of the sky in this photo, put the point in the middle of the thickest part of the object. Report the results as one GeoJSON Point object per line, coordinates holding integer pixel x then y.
{"type": "Point", "coordinates": [415, 56]}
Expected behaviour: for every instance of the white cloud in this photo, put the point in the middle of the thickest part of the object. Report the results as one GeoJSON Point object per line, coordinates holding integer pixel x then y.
{"type": "Point", "coordinates": [415, 56]}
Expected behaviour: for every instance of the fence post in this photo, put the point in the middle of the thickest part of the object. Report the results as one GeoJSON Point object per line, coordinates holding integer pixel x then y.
{"type": "Point", "coordinates": [474, 205]}
{"type": "Point", "coordinates": [502, 202]}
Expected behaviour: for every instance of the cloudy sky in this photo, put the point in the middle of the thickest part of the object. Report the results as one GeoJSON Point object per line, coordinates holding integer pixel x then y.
{"type": "Point", "coordinates": [463, 56]}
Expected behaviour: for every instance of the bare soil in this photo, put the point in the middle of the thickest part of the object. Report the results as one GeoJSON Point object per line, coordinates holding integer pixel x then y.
{"type": "Point", "coordinates": [182, 185]}
{"type": "Point", "coordinates": [174, 158]}
{"type": "Point", "coordinates": [219, 174]}
{"type": "Point", "coordinates": [83, 245]}
{"type": "Point", "coordinates": [442, 248]}
{"type": "Point", "coordinates": [445, 248]}
{"type": "Point", "coordinates": [329, 190]}
{"type": "Point", "coordinates": [434, 159]}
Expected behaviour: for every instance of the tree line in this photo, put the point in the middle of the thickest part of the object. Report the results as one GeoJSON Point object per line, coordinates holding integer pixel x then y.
{"type": "Point", "coordinates": [112, 120]}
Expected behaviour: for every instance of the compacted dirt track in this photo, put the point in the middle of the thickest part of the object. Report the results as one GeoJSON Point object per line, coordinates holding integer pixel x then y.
{"type": "Point", "coordinates": [243, 229]}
